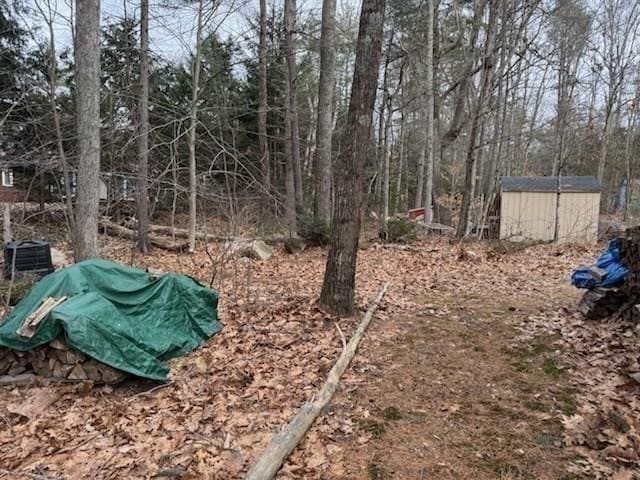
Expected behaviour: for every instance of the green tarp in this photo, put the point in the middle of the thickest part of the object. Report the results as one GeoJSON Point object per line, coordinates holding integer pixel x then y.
{"type": "Point", "coordinates": [119, 315]}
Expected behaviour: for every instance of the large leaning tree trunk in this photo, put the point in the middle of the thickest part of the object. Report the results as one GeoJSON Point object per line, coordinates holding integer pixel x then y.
{"type": "Point", "coordinates": [324, 129]}
{"type": "Point", "coordinates": [142, 199]}
{"type": "Point", "coordinates": [263, 105]}
{"type": "Point", "coordinates": [87, 53]}
{"type": "Point", "coordinates": [193, 121]}
{"type": "Point", "coordinates": [339, 277]}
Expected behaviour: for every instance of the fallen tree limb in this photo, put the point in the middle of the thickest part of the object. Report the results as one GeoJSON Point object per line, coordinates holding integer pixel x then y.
{"type": "Point", "coordinates": [119, 231]}
{"type": "Point", "coordinates": [285, 441]}
{"type": "Point", "coordinates": [168, 231]}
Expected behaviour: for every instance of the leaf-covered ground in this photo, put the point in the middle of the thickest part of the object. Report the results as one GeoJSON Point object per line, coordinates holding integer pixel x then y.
{"type": "Point", "coordinates": [474, 367]}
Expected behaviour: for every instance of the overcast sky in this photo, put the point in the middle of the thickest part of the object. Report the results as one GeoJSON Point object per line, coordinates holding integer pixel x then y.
{"type": "Point", "coordinates": [172, 23]}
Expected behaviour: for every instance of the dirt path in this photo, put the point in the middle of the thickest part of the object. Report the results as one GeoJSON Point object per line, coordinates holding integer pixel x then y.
{"type": "Point", "coordinates": [455, 395]}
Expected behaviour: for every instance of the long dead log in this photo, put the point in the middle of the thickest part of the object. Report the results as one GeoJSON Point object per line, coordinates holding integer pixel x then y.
{"type": "Point", "coordinates": [116, 230]}
{"type": "Point", "coordinates": [285, 441]}
{"type": "Point", "coordinates": [169, 231]}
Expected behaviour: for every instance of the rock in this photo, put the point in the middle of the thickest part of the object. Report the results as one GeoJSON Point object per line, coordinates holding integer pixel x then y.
{"type": "Point", "coordinates": [255, 249]}
{"type": "Point", "coordinates": [294, 245]}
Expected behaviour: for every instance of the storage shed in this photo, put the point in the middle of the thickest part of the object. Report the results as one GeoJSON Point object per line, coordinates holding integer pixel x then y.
{"type": "Point", "coordinates": [539, 208]}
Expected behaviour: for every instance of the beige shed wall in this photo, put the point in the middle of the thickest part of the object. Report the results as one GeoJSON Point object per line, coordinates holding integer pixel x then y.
{"type": "Point", "coordinates": [531, 216]}
{"type": "Point", "coordinates": [527, 215]}
{"type": "Point", "coordinates": [578, 214]}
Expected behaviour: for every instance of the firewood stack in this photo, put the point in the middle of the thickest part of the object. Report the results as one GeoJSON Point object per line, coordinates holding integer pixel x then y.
{"type": "Point", "coordinates": [622, 301]}
{"type": "Point", "coordinates": [629, 246]}
{"type": "Point", "coordinates": [57, 360]}
{"type": "Point", "coordinates": [599, 303]}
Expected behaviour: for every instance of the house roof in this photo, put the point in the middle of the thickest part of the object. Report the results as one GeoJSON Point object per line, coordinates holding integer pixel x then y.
{"type": "Point", "coordinates": [549, 184]}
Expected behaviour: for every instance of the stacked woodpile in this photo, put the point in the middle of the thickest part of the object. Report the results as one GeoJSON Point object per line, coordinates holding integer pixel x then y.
{"type": "Point", "coordinates": [623, 300]}
{"type": "Point", "coordinates": [599, 303]}
{"type": "Point", "coordinates": [59, 361]}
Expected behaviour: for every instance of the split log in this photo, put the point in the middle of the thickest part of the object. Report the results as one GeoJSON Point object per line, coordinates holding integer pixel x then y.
{"type": "Point", "coordinates": [285, 441]}
{"type": "Point", "coordinates": [116, 230]}
{"type": "Point", "coordinates": [30, 324]}
{"type": "Point", "coordinates": [24, 379]}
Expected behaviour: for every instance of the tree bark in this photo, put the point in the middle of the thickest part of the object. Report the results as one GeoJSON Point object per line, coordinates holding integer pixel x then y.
{"type": "Point", "coordinates": [485, 85]}
{"type": "Point", "coordinates": [289, 169]}
{"type": "Point", "coordinates": [324, 128]}
{"type": "Point", "coordinates": [263, 106]}
{"type": "Point", "coordinates": [429, 103]}
{"type": "Point", "coordinates": [142, 199]}
{"type": "Point", "coordinates": [339, 278]}
{"type": "Point", "coordinates": [397, 204]}
{"type": "Point", "coordinates": [6, 222]}
{"type": "Point", "coordinates": [193, 117]}
{"type": "Point", "coordinates": [87, 53]}
{"type": "Point", "coordinates": [53, 85]}
{"type": "Point", "coordinates": [292, 99]}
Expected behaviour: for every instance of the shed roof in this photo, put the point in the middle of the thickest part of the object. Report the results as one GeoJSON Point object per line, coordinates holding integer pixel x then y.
{"type": "Point", "coordinates": [549, 184]}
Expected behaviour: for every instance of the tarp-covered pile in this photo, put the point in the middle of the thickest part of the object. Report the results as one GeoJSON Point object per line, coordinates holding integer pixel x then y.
{"type": "Point", "coordinates": [608, 271]}
{"type": "Point", "coordinates": [612, 283]}
{"type": "Point", "coordinates": [119, 316]}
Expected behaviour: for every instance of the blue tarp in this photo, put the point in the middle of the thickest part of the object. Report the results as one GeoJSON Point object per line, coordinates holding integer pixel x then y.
{"type": "Point", "coordinates": [610, 262]}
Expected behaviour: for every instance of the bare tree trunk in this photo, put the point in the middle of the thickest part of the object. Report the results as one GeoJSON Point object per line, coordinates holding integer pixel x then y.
{"type": "Point", "coordinates": [289, 169]}
{"type": "Point", "coordinates": [629, 141]}
{"type": "Point", "coordinates": [339, 279]}
{"type": "Point", "coordinates": [53, 85]}
{"type": "Point", "coordinates": [386, 164]}
{"type": "Point", "coordinates": [485, 85]}
{"type": "Point", "coordinates": [292, 99]}
{"type": "Point", "coordinates": [193, 117]}
{"type": "Point", "coordinates": [604, 144]}
{"type": "Point", "coordinates": [263, 106]}
{"type": "Point", "coordinates": [429, 104]}
{"type": "Point", "coordinates": [6, 223]}
{"type": "Point", "coordinates": [398, 191]}
{"type": "Point", "coordinates": [87, 53]}
{"type": "Point", "coordinates": [324, 130]}
{"type": "Point", "coordinates": [142, 199]}
{"type": "Point", "coordinates": [422, 150]}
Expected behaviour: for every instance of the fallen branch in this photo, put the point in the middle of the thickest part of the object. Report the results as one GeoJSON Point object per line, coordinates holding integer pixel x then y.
{"type": "Point", "coordinates": [285, 441]}
{"type": "Point", "coordinates": [169, 231]}
{"type": "Point", "coordinates": [119, 231]}
{"type": "Point", "coordinates": [396, 246]}
{"type": "Point", "coordinates": [182, 232]}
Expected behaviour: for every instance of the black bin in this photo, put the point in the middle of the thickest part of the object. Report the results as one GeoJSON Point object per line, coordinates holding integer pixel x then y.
{"type": "Point", "coordinates": [31, 256]}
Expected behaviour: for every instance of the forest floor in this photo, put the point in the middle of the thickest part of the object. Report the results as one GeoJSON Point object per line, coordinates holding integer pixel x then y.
{"type": "Point", "coordinates": [475, 366]}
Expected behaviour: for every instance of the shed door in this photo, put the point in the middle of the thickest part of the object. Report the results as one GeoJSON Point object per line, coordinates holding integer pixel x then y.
{"type": "Point", "coordinates": [578, 217]}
